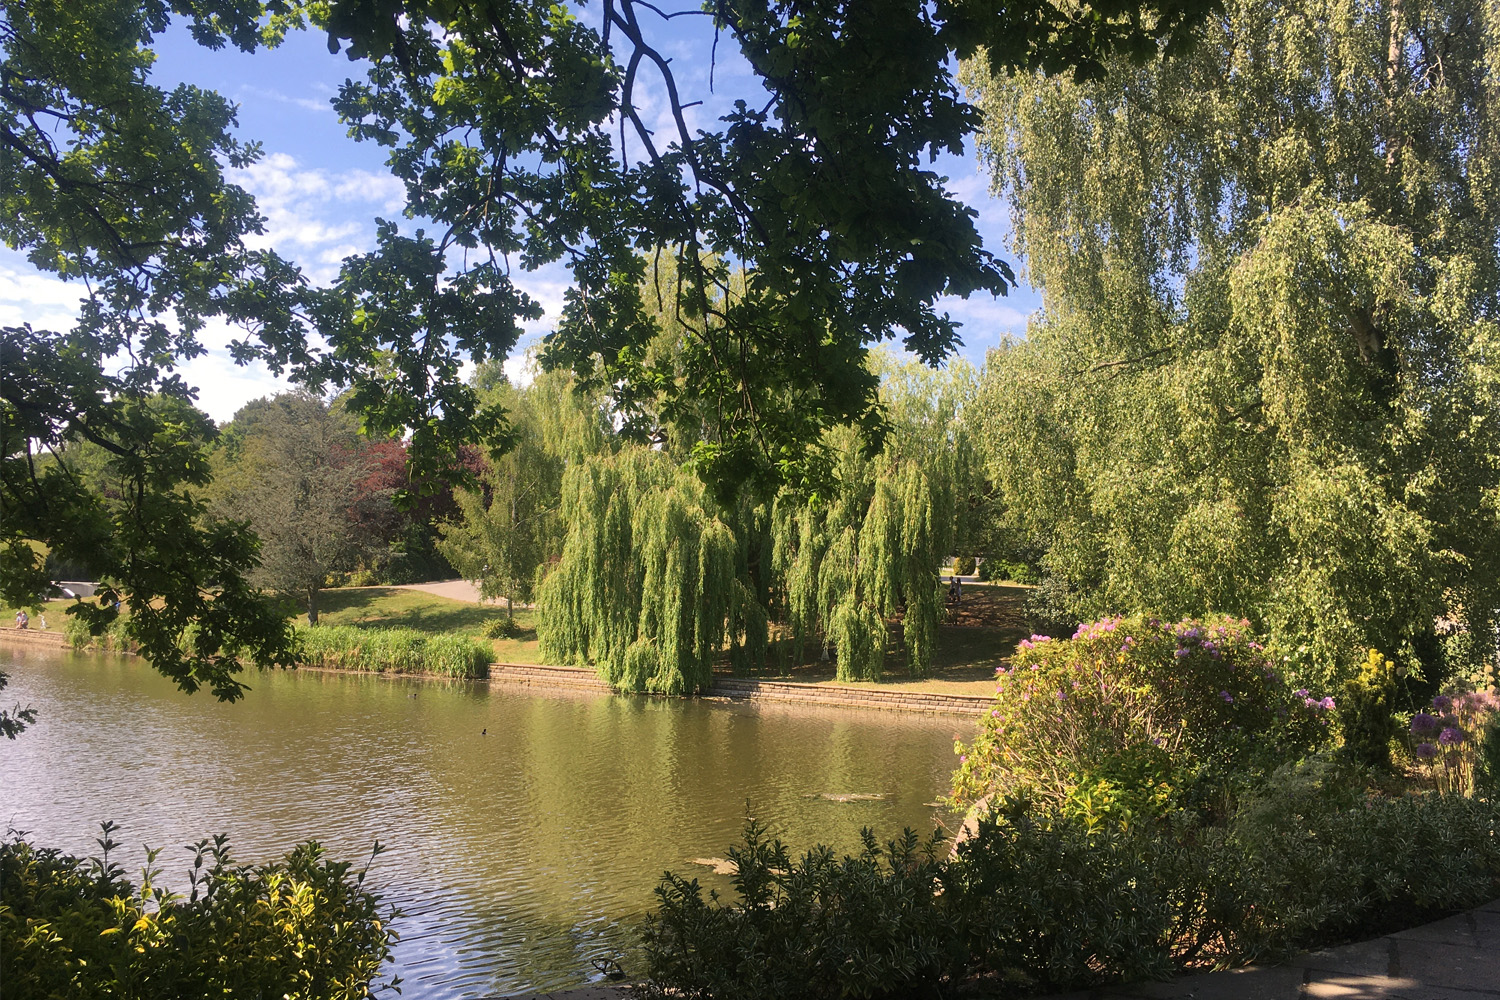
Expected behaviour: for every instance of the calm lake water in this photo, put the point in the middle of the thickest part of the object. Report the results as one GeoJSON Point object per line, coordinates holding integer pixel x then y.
{"type": "Point", "coordinates": [516, 857]}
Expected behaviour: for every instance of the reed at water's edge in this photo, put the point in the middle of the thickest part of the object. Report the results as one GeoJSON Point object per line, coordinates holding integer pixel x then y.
{"type": "Point", "coordinates": [392, 650]}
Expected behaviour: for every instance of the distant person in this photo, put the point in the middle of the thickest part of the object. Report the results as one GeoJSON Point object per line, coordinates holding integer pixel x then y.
{"type": "Point", "coordinates": [958, 590]}
{"type": "Point", "coordinates": [22, 620]}
{"type": "Point", "coordinates": [41, 620]}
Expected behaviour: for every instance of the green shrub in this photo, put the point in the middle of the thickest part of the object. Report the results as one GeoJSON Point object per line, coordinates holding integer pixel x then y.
{"type": "Point", "coordinates": [503, 628]}
{"type": "Point", "coordinates": [1132, 718]}
{"type": "Point", "coordinates": [1045, 907]}
{"type": "Point", "coordinates": [1325, 861]}
{"type": "Point", "coordinates": [1037, 902]}
{"type": "Point", "coordinates": [1367, 712]}
{"type": "Point", "coordinates": [1487, 759]}
{"type": "Point", "coordinates": [114, 638]}
{"type": "Point", "coordinates": [963, 565]}
{"type": "Point", "coordinates": [1015, 572]}
{"type": "Point", "coordinates": [303, 928]}
{"type": "Point", "coordinates": [864, 926]}
{"type": "Point", "coordinates": [392, 650]}
{"type": "Point", "coordinates": [364, 578]}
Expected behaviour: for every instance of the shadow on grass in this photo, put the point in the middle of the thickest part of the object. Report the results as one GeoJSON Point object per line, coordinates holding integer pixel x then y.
{"type": "Point", "coordinates": [979, 636]}
{"type": "Point", "coordinates": [390, 607]}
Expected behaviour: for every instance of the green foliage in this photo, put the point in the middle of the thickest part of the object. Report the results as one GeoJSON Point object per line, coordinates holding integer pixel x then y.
{"type": "Point", "coordinates": [964, 566]}
{"type": "Point", "coordinates": [500, 120]}
{"type": "Point", "coordinates": [392, 650]}
{"type": "Point", "coordinates": [503, 628]}
{"type": "Point", "coordinates": [1487, 765]}
{"type": "Point", "coordinates": [1132, 718]}
{"type": "Point", "coordinates": [865, 926]}
{"type": "Point", "coordinates": [508, 523]}
{"type": "Point", "coordinates": [1256, 258]}
{"type": "Point", "coordinates": [775, 224]}
{"type": "Point", "coordinates": [845, 562]}
{"type": "Point", "coordinates": [115, 638]}
{"type": "Point", "coordinates": [304, 927]}
{"type": "Point", "coordinates": [1367, 712]}
{"type": "Point", "coordinates": [1004, 569]}
{"type": "Point", "coordinates": [1317, 858]}
{"type": "Point", "coordinates": [1037, 903]}
{"type": "Point", "coordinates": [649, 587]}
{"type": "Point", "coordinates": [289, 468]}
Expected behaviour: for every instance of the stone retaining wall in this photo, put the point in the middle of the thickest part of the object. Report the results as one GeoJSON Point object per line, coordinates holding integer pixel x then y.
{"type": "Point", "coordinates": [745, 689]}
{"type": "Point", "coordinates": [34, 637]}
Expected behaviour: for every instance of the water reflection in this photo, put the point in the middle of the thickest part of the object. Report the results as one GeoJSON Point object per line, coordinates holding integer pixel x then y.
{"type": "Point", "coordinates": [517, 856]}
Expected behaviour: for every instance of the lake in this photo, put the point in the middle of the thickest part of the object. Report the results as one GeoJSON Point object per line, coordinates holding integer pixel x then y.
{"type": "Point", "coordinates": [518, 856]}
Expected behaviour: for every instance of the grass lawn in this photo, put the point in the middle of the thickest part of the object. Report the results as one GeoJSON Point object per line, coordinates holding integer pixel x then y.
{"type": "Point", "coordinates": [56, 612]}
{"type": "Point", "coordinates": [980, 635]}
{"type": "Point", "coordinates": [389, 607]}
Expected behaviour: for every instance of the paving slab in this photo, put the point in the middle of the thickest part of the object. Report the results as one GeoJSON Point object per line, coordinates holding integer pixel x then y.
{"type": "Point", "coordinates": [1477, 928]}
{"type": "Point", "coordinates": [1451, 966]}
{"type": "Point", "coordinates": [1271, 982]}
{"type": "Point", "coordinates": [1384, 988]}
{"type": "Point", "coordinates": [1367, 958]}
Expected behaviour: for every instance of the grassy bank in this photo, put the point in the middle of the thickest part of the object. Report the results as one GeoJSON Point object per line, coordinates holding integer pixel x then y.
{"type": "Point", "coordinates": [393, 607]}
{"type": "Point", "coordinates": [392, 651]}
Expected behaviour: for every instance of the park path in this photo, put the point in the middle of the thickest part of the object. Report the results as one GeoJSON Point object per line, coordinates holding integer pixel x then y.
{"type": "Point", "coordinates": [454, 590]}
{"type": "Point", "coordinates": [1453, 959]}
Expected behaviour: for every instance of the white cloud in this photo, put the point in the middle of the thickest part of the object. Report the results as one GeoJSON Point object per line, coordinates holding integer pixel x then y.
{"type": "Point", "coordinates": [318, 217]}
{"type": "Point", "coordinates": [315, 105]}
{"type": "Point", "coordinates": [29, 296]}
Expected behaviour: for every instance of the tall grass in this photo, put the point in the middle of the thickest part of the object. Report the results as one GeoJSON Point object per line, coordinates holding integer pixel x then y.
{"type": "Point", "coordinates": [392, 651]}
{"type": "Point", "coordinates": [115, 639]}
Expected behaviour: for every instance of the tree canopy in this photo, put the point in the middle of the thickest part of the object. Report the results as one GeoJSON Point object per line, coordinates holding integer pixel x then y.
{"type": "Point", "coordinates": [499, 116]}
{"type": "Point", "coordinates": [1264, 379]}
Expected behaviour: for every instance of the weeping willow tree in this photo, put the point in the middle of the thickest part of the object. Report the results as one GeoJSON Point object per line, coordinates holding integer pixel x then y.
{"type": "Point", "coordinates": [508, 525]}
{"type": "Point", "coordinates": [1265, 378]}
{"type": "Point", "coordinates": [650, 588]}
{"type": "Point", "coordinates": [868, 552]}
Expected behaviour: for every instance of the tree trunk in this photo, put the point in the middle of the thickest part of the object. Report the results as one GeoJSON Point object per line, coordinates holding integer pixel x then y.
{"type": "Point", "coordinates": [510, 614]}
{"type": "Point", "coordinates": [1393, 141]}
{"type": "Point", "coordinates": [312, 605]}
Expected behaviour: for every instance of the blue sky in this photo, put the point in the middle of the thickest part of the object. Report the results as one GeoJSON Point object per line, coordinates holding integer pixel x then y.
{"type": "Point", "coordinates": [321, 192]}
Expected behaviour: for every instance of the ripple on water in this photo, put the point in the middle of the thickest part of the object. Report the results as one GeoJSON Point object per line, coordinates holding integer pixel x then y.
{"type": "Point", "coordinates": [517, 858]}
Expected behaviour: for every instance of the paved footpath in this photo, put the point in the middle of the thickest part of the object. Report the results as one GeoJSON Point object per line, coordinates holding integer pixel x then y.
{"type": "Point", "coordinates": [1453, 959]}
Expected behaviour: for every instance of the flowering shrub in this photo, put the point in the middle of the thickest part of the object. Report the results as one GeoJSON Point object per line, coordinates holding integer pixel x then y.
{"type": "Point", "coordinates": [1137, 716]}
{"type": "Point", "coordinates": [1446, 741]}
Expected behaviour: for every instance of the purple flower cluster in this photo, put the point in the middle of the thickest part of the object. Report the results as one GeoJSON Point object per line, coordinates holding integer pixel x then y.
{"type": "Point", "coordinates": [1450, 723]}
{"type": "Point", "coordinates": [1094, 630]}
